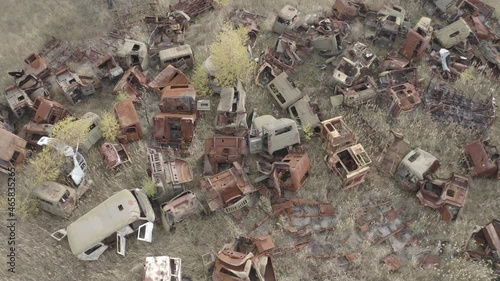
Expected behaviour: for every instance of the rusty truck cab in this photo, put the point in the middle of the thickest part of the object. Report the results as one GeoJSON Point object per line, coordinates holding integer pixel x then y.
{"type": "Point", "coordinates": [48, 111]}
{"type": "Point", "coordinates": [12, 150]}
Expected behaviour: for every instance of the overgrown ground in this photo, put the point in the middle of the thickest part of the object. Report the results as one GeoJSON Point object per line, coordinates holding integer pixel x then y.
{"type": "Point", "coordinates": [27, 25]}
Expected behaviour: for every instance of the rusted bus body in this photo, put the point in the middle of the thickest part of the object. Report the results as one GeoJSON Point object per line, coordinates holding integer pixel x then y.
{"type": "Point", "coordinates": [402, 99]}
{"type": "Point", "coordinates": [133, 54]}
{"type": "Point", "coordinates": [175, 130]}
{"type": "Point", "coordinates": [162, 268]}
{"type": "Point", "coordinates": [179, 208]}
{"type": "Point", "coordinates": [19, 102]}
{"type": "Point", "coordinates": [347, 9]}
{"type": "Point", "coordinates": [13, 151]}
{"type": "Point", "coordinates": [415, 166]}
{"type": "Point", "coordinates": [245, 259]}
{"type": "Point", "coordinates": [169, 76]}
{"type": "Point", "coordinates": [36, 65]}
{"type": "Point", "coordinates": [58, 199]}
{"type": "Point", "coordinates": [32, 132]}
{"type": "Point", "coordinates": [114, 155]}
{"type": "Point", "coordinates": [179, 99]}
{"type": "Point", "coordinates": [392, 154]}
{"type": "Point", "coordinates": [193, 7]}
{"type": "Point", "coordinates": [128, 119]}
{"type": "Point", "coordinates": [337, 134]}
{"type": "Point", "coordinates": [48, 111]}
{"type": "Point", "coordinates": [131, 83]}
{"type": "Point", "coordinates": [446, 195]}
{"type": "Point", "coordinates": [181, 57]}
{"type": "Point", "coordinates": [482, 159]}
{"type": "Point", "coordinates": [108, 67]}
{"type": "Point", "coordinates": [350, 165]}
{"type": "Point", "coordinates": [228, 190]}
{"type": "Point", "coordinates": [362, 92]}
{"type": "Point", "coordinates": [417, 40]}
{"type": "Point", "coordinates": [231, 115]}
{"type": "Point", "coordinates": [168, 175]}
{"type": "Point", "coordinates": [75, 86]}
{"type": "Point", "coordinates": [222, 151]}
{"type": "Point", "coordinates": [485, 244]}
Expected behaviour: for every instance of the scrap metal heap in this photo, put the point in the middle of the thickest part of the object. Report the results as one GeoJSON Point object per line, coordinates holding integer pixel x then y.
{"type": "Point", "coordinates": [193, 7]}
{"type": "Point", "coordinates": [168, 30]}
{"type": "Point", "coordinates": [482, 159]}
{"type": "Point", "coordinates": [388, 23]}
{"type": "Point", "coordinates": [245, 259]}
{"type": "Point", "coordinates": [75, 87]}
{"type": "Point", "coordinates": [485, 244]}
{"type": "Point", "coordinates": [354, 60]}
{"type": "Point", "coordinates": [451, 105]}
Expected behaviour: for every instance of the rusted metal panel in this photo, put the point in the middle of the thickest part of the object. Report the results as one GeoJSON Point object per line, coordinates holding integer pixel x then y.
{"type": "Point", "coordinates": [179, 208]}
{"type": "Point", "coordinates": [355, 59]}
{"type": "Point", "coordinates": [446, 195]}
{"type": "Point", "coordinates": [284, 91]}
{"type": "Point", "coordinates": [397, 77]}
{"type": "Point", "coordinates": [48, 111]}
{"type": "Point", "coordinates": [417, 40]}
{"type": "Point", "coordinates": [293, 170]}
{"type": "Point", "coordinates": [13, 150]}
{"type": "Point", "coordinates": [180, 57]}
{"type": "Point", "coordinates": [394, 62]}
{"type": "Point", "coordinates": [174, 130]}
{"type": "Point", "coordinates": [162, 268]}
{"type": "Point", "coordinates": [482, 159]}
{"type": "Point", "coordinates": [392, 154]}
{"type": "Point", "coordinates": [132, 82]}
{"type": "Point", "coordinates": [223, 151]}
{"type": "Point", "coordinates": [393, 262]}
{"type": "Point", "coordinates": [305, 113]}
{"type": "Point", "coordinates": [485, 244]}
{"type": "Point", "coordinates": [107, 67]}
{"type": "Point", "coordinates": [228, 190]}
{"type": "Point", "coordinates": [453, 34]}
{"type": "Point", "coordinates": [37, 65]}
{"type": "Point", "coordinates": [387, 25]}
{"type": "Point", "coordinates": [114, 155]}
{"type": "Point", "coordinates": [128, 119]}
{"type": "Point", "coordinates": [169, 76]}
{"type": "Point", "coordinates": [178, 99]}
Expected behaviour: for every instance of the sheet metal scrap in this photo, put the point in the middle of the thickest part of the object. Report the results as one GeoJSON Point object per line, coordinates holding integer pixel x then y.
{"type": "Point", "coordinates": [162, 268]}
{"type": "Point", "coordinates": [337, 134]}
{"type": "Point", "coordinates": [245, 259]}
{"type": "Point", "coordinates": [391, 78]}
{"type": "Point", "coordinates": [107, 67]}
{"type": "Point", "coordinates": [284, 91]}
{"type": "Point", "coordinates": [272, 58]}
{"type": "Point", "coordinates": [287, 45]}
{"type": "Point", "coordinates": [265, 74]}
{"type": "Point", "coordinates": [491, 53]}
{"type": "Point", "coordinates": [305, 113]}
{"type": "Point", "coordinates": [132, 82]}
{"type": "Point", "coordinates": [179, 208]}
{"type": "Point", "coordinates": [193, 7]}
{"type": "Point", "coordinates": [389, 157]}
{"type": "Point", "coordinates": [350, 165]}
{"type": "Point", "coordinates": [485, 244]}
{"type": "Point", "coordinates": [446, 195]}
{"type": "Point", "coordinates": [48, 111]}
{"type": "Point", "coordinates": [447, 64]}
{"type": "Point", "coordinates": [114, 155]}
{"type": "Point", "coordinates": [168, 174]}
{"type": "Point", "coordinates": [57, 53]}
{"type": "Point", "coordinates": [75, 87]}
{"type": "Point", "coordinates": [173, 130]}
{"type": "Point", "coordinates": [355, 59]}
{"type": "Point", "coordinates": [417, 40]}
{"type": "Point", "coordinates": [363, 91]}
{"type": "Point", "coordinates": [306, 217]}
{"type": "Point", "coordinates": [347, 9]}
{"type": "Point", "coordinates": [231, 115]}
{"type": "Point", "coordinates": [482, 159]}
{"type": "Point", "coordinates": [222, 151]}
{"type": "Point", "coordinates": [228, 190]}
{"type": "Point", "coordinates": [450, 105]}
{"type": "Point", "coordinates": [128, 119]}
{"type": "Point", "coordinates": [35, 64]}
{"type": "Point", "coordinates": [380, 222]}
{"type": "Point", "coordinates": [481, 30]}
{"type": "Point", "coordinates": [168, 30]}
{"type": "Point", "coordinates": [244, 18]}
{"type": "Point", "coordinates": [476, 8]}
{"type": "Point", "coordinates": [394, 62]}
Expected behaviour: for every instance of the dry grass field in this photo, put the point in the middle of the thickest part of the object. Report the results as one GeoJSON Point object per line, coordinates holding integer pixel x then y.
{"type": "Point", "coordinates": [27, 24]}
